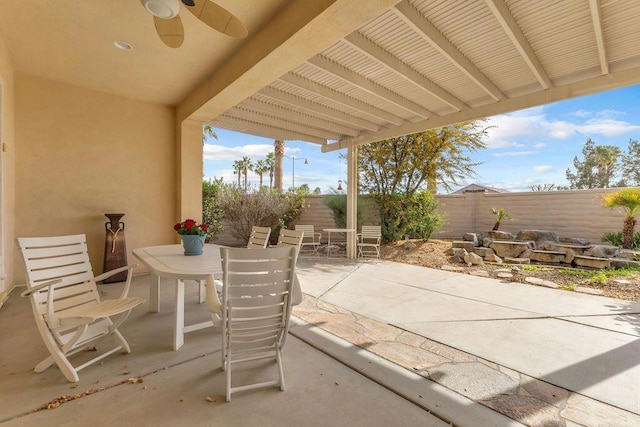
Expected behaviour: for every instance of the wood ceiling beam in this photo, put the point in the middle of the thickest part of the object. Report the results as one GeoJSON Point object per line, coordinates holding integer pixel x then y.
{"type": "Point", "coordinates": [267, 131]}
{"type": "Point", "coordinates": [596, 18]}
{"type": "Point", "coordinates": [422, 26]}
{"type": "Point", "coordinates": [298, 116]}
{"type": "Point", "coordinates": [278, 122]}
{"type": "Point", "coordinates": [369, 86]}
{"type": "Point", "coordinates": [333, 114]}
{"type": "Point", "coordinates": [340, 98]}
{"type": "Point", "coordinates": [511, 28]}
{"type": "Point", "coordinates": [381, 56]}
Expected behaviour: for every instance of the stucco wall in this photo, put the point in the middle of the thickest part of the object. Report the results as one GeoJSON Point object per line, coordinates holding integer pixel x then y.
{"type": "Point", "coordinates": [7, 138]}
{"type": "Point", "coordinates": [82, 153]}
{"type": "Point", "coordinates": [576, 213]}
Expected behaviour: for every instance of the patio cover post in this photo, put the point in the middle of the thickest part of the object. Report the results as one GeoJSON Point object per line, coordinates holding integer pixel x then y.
{"type": "Point", "coordinates": [189, 170]}
{"type": "Point", "coordinates": [352, 199]}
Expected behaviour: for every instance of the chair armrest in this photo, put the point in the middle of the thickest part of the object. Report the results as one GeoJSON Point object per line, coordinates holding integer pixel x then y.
{"type": "Point", "coordinates": [49, 284]}
{"type": "Point", "coordinates": [359, 237]}
{"type": "Point", "coordinates": [319, 237]}
{"type": "Point", "coordinates": [110, 273]}
{"type": "Point", "coordinates": [52, 319]}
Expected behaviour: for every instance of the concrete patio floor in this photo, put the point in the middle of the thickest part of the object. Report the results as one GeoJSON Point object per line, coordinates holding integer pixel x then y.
{"type": "Point", "coordinates": [441, 348]}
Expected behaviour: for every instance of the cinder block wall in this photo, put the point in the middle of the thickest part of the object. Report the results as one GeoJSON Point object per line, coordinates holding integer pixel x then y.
{"type": "Point", "coordinates": [571, 213]}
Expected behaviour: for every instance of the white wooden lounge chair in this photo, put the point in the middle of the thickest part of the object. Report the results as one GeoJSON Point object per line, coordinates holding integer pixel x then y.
{"type": "Point", "coordinates": [311, 240]}
{"type": "Point", "coordinates": [369, 241]}
{"type": "Point", "coordinates": [291, 238]}
{"type": "Point", "coordinates": [259, 238]}
{"type": "Point", "coordinates": [256, 307]}
{"type": "Point", "coordinates": [64, 297]}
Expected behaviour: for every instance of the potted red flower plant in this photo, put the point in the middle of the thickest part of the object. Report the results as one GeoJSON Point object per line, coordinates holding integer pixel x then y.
{"type": "Point", "coordinates": [192, 235]}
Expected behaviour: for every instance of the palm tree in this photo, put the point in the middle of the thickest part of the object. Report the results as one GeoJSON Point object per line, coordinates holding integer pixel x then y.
{"type": "Point", "coordinates": [260, 168]}
{"type": "Point", "coordinates": [237, 168]}
{"type": "Point", "coordinates": [278, 149]}
{"type": "Point", "coordinates": [606, 159]}
{"type": "Point", "coordinates": [271, 163]}
{"type": "Point", "coordinates": [500, 214]}
{"type": "Point", "coordinates": [629, 200]}
{"type": "Point", "coordinates": [245, 167]}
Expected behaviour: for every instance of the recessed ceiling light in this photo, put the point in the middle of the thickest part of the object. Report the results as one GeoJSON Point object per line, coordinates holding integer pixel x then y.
{"type": "Point", "coordinates": [122, 45]}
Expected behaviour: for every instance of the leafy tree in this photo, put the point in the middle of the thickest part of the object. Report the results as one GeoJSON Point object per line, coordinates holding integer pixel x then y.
{"type": "Point", "coordinates": [597, 170]}
{"type": "Point", "coordinates": [397, 171]}
{"type": "Point", "coordinates": [629, 200]}
{"type": "Point", "coordinates": [260, 168]}
{"type": "Point", "coordinates": [212, 213]}
{"type": "Point", "coordinates": [317, 190]}
{"type": "Point", "coordinates": [631, 164]}
{"type": "Point", "coordinates": [426, 159]}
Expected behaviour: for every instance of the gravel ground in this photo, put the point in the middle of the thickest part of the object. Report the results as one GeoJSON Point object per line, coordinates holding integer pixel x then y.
{"type": "Point", "coordinates": [616, 284]}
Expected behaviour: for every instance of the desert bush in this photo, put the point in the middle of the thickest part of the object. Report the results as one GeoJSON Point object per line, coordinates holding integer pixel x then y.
{"type": "Point", "coordinates": [338, 205]}
{"type": "Point", "coordinates": [212, 213]}
{"type": "Point", "coordinates": [412, 215]}
{"type": "Point", "coordinates": [264, 207]}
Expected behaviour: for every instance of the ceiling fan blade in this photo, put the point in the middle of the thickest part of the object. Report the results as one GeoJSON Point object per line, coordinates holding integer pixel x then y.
{"type": "Point", "coordinates": [171, 31]}
{"type": "Point", "coordinates": [218, 18]}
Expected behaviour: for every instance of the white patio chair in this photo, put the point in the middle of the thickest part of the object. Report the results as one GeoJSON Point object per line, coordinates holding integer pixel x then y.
{"type": "Point", "coordinates": [293, 238]}
{"type": "Point", "coordinates": [256, 307]}
{"type": "Point", "coordinates": [311, 239]}
{"type": "Point", "coordinates": [369, 241]}
{"type": "Point", "coordinates": [64, 297]}
{"type": "Point", "coordinates": [259, 238]}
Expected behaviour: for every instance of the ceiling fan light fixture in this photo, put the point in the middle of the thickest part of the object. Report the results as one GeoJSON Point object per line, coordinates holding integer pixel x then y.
{"type": "Point", "coordinates": [163, 9]}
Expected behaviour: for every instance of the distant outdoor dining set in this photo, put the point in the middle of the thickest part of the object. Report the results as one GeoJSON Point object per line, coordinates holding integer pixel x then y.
{"type": "Point", "coordinates": [248, 291]}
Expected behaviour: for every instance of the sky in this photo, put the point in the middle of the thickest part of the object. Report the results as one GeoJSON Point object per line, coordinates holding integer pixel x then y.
{"type": "Point", "coordinates": [524, 148]}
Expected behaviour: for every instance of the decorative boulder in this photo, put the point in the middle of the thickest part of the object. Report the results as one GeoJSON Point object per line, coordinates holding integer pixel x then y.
{"type": "Point", "coordinates": [483, 252]}
{"type": "Point", "coordinates": [471, 237]}
{"type": "Point", "coordinates": [486, 242]}
{"type": "Point", "coordinates": [508, 248]}
{"type": "Point", "coordinates": [537, 235]}
{"type": "Point", "coordinates": [463, 244]}
{"type": "Point", "coordinates": [575, 241]}
{"type": "Point", "coordinates": [473, 259]}
{"type": "Point", "coordinates": [500, 235]}
{"type": "Point", "coordinates": [493, 258]}
{"type": "Point", "coordinates": [602, 251]}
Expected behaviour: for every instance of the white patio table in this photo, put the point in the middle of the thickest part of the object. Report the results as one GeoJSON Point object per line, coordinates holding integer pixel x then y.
{"type": "Point", "coordinates": [348, 232]}
{"type": "Point", "coordinates": [170, 262]}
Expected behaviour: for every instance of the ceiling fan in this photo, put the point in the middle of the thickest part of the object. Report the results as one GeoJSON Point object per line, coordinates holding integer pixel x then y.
{"type": "Point", "coordinates": [169, 25]}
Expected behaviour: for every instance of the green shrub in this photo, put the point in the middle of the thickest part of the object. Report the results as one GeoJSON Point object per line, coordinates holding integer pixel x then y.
{"type": "Point", "coordinates": [338, 205]}
{"type": "Point", "coordinates": [616, 239]}
{"type": "Point", "coordinates": [212, 213]}
{"type": "Point", "coordinates": [404, 215]}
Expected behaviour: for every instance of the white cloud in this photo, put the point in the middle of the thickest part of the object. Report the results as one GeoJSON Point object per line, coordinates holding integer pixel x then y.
{"type": "Point", "coordinates": [539, 145]}
{"type": "Point", "coordinates": [607, 127]}
{"type": "Point", "coordinates": [542, 168]}
{"type": "Point", "coordinates": [514, 153]}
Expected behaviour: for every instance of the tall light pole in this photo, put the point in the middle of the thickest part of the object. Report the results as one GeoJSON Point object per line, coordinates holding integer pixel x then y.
{"type": "Point", "coordinates": [293, 167]}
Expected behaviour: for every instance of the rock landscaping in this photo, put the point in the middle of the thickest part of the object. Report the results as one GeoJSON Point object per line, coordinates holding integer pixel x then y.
{"type": "Point", "coordinates": [539, 246]}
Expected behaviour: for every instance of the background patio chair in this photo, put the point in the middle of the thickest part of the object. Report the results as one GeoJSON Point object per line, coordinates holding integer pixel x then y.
{"type": "Point", "coordinates": [259, 237]}
{"type": "Point", "coordinates": [311, 239]}
{"type": "Point", "coordinates": [369, 241]}
{"type": "Point", "coordinates": [256, 307]}
{"type": "Point", "coordinates": [64, 297]}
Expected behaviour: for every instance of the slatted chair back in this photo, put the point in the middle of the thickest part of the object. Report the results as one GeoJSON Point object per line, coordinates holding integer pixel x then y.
{"type": "Point", "coordinates": [311, 239]}
{"type": "Point", "coordinates": [256, 308]}
{"type": "Point", "coordinates": [369, 240]}
{"type": "Point", "coordinates": [289, 237]}
{"type": "Point", "coordinates": [259, 238]}
{"type": "Point", "coordinates": [66, 303]}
